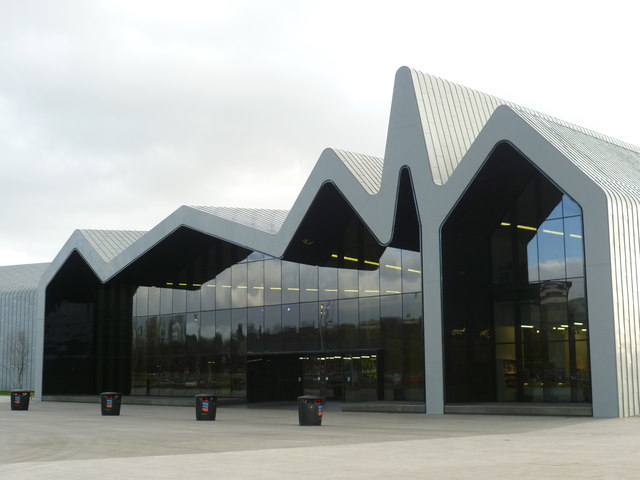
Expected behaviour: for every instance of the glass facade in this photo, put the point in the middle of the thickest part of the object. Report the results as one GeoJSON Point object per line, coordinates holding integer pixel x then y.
{"type": "Point", "coordinates": [515, 311]}
{"type": "Point", "coordinates": [267, 329]}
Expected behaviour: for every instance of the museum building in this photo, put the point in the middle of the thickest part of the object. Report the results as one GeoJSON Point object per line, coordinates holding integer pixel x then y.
{"type": "Point", "coordinates": [490, 259]}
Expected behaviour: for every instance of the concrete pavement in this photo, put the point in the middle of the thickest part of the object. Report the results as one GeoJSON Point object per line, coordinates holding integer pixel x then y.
{"type": "Point", "coordinates": [73, 441]}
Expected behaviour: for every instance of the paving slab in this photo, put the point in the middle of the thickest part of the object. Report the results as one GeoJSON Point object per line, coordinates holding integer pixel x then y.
{"type": "Point", "coordinates": [73, 441]}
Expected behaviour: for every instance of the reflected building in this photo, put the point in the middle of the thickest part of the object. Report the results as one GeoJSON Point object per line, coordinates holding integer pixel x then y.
{"type": "Point", "coordinates": [488, 259]}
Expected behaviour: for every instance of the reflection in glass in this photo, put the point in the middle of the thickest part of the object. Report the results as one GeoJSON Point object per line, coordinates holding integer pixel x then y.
{"type": "Point", "coordinates": [514, 303]}
{"type": "Point", "coordinates": [367, 345]}
{"type": "Point", "coordinates": [223, 290]}
{"type": "Point", "coordinates": [239, 285]}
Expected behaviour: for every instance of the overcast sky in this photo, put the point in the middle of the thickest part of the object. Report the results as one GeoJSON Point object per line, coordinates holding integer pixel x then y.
{"type": "Point", "coordinates": [115, 113]}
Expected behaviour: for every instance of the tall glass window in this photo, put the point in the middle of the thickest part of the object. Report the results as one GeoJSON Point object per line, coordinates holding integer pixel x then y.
{"type": "Point", "coordinates": [515, 316]}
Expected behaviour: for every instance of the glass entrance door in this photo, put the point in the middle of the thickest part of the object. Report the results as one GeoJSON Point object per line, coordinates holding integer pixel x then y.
{"type": "Point", "coordinates": [343, 378]}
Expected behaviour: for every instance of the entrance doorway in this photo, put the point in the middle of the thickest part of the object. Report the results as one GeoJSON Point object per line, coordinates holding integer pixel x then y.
{"type": "Point", "coordinates": [341, 377]}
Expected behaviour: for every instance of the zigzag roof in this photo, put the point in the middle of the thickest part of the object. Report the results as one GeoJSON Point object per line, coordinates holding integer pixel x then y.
{"type": "Point", "coordinates": [450, 118]}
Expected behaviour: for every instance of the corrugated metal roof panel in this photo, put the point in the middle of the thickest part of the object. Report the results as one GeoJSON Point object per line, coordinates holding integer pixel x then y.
{"type": "Point", "coordinates": [366, 169]}
{"type": "Point", "coordinates": [110, 243]}
{"type": "Point", "coordinates": [21, 277]}
{"type": "Point", "coordinates": [265, 220]}
{"type": "Point", "coordinates": [452, 116]}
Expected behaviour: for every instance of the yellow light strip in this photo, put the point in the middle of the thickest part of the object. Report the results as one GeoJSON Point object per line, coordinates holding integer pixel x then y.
{"type": "Point", "coordinates": [351, 259]}
{"type": "Point", "coordinates": [293, 289]}
{"type": "Point", "coordinates": [394, 267]}
{"type": "Point", "coordinates": [553, 232]}
{"type": "Point", "coordinates": [169, 283]}
{"type": "Point", "coordinates": [505, 224]}
{"type": "Point", "coordinates": [578, 323]}
{"type": "Point", "coordinates": [573, 235]}
{"type": "Point", "coordinates": [196, 284]}
{"type": "Point", "coordinates": [259, 288]}
{"type": "Point", "coordinates": [351, 291]}
{"type": "Point", "coordinates": [369, 262]}
{"type": "Point", "coordinates": [311, 289]}
{"type": "Point", "coordinates": [225, 286]}
{"type": "Point", "coordinates": [526, 326]}
{"type": "Point", "coordinates": [525, 227]}
{"type": "Point", "coordinates": [275, 288]}
{"type": "Point", "coordinates": [393, 291]}
{"type": "Point", "coordinates": [210, 285]}
{"type": "Point", "coordinates": [330, 290]}
{"type": "Point", "coordinates": [334, 255]}
{"type": "Point", "coordinates": [372, 291]}
{"type": "Point", "coordinates": [242, 286]}
{"type": "Point", "coordinates": [182, 284]}
{"type": "Point", "coordinates": [413, 271]}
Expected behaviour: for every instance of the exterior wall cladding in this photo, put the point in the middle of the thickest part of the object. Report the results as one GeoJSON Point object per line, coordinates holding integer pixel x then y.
{"type": "Point", "coordinates": [442, 137]}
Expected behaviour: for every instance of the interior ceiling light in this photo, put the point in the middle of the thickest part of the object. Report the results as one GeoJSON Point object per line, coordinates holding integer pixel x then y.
{"type": "Point", "coordinates": [553, 232]}
{"type": "Point", "coordinates": [526, 227]}
{"type": "Point", "coordinates": [505, 224]}
{"type": "Point", "coordinates": [394, 267]}
{"type": "Point", "coordinates": [351, 259]}
{"type": "Point", "coordinates": [413, 271]}
{"type": "Point", "coordinates": [369, 262]}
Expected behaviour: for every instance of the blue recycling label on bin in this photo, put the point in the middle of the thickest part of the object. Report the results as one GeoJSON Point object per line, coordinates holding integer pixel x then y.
{"type": "Point", "coordinates": [109, 402]}
{"type": "Point", "coordinates": [205, 406]}
{"type": "Point", "coordinates": [17, 399]}
{"type": "Point", "coordinates": [320, 408]}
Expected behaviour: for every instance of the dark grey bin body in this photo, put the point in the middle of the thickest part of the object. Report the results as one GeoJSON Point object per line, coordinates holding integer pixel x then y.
{"type": "Point", "coordinates": [206, 406]}
{"type": "Point", "coordinates": [310, 410]}
{"type": "Point", "coordinates": [20, 399]}
{"type": "Point", "coordinates": [110, 403]}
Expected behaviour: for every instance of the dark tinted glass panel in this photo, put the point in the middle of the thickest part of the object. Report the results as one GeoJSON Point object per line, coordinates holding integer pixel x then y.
{"type": "Point", "coordinates": [193, 300]}
{"type": "Point", "coordinates": [329, 324]}
{"type": "Point", "coordinates": [154, 300]}
{"type": "Point", "coordinates": [309, 332]}
{"type": "Point", "coordinates": [255, 291]}
{"type": "Point", "coordinates": [255, 329]}
{"type": "Point", "coordinates": [328, 283]}
{"type": "Point", "coordinates": [208, 295]}
{"type": "Point", "coordinates": [223, 290]}
{"type": "Point", "coordinates": [391, 272]}
{"type": "Point", "coordinates": [308, 283]}
{"type": "Point", "coordinates": [166, 301]}
{"type": "Point", "coordinates": [369, 325]}
{"type": "Point", "coordinates": [369, 283]}
{"type": "Point", "coordinates": [207, 332]}
{"type": "Point", "coordinates": [574, 246]}
{"type": "Point", "coordinates": [272, 280]}
{"type": "Point", "coordinates": [348, 283]}
{"type": "Point", "coordinates": [551, 250]}
{"type": "Point", "coordinates": [239, 331]}
{"type": "Point", "coordinates": [290, 327]}
{"type": "Point", "coordinates": [411, 271]}
{"type": "Point", "coordinates": [179, 301]}
{"type": "Point", "coordinates": [142, 299]}
{"type": "Point", "coordinates": [239, 285]}
{"type": "Point", "coordinates": [290, 282]}
{"type": "Point", "coordinates": [348, 318]}
{"type": "Point", "coordinates": [272, 328]}
{"type": "Point", "coordinates": [223, 332]}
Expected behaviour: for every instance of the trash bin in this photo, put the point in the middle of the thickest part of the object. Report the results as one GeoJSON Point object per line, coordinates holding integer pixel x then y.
{"type": "Point", "coordinates": [310, 410]}
{"type": "Point", "coordinates": [206, 405]}
{"type": "Point", "coordinates": [110, 403]}
{"type": "Point", "coordinates": [20, 399]}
